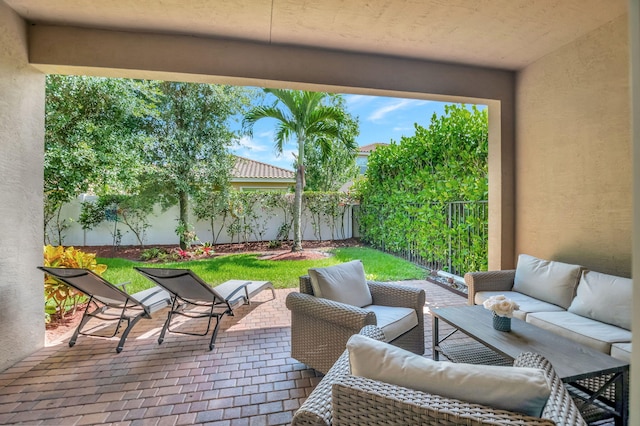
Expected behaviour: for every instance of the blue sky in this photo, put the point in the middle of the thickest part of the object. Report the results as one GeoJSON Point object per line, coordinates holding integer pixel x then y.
{"type": "Point", "coordinates": [382, 119]}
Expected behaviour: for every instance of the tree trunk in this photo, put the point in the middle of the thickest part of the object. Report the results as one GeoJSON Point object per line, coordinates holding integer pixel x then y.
{"type": "Point", "coordinates": [297, 210]}
{"type": "Point", "coordinates": [183, 204]}
{"type": "Point", "coordinates": [297, 200]}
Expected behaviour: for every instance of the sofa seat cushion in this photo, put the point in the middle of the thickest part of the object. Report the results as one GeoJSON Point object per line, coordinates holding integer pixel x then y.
{"type": "Point", "coordinates": [549, 281]}
{"type": "Point", "coordinates": [526, 303]}
{"type": "Point", "coordinates": [621, 351]}
{"type": "Point", "coordinates": [520, 389]}
{"type": "Point", "coordinates": [394, 321]}
{"type": "Point", "coordinates": [344, 283]}
{"type": "Point", "coordinates": [592, 333]}
{"type": "Point", "coordinates": [605, 298]}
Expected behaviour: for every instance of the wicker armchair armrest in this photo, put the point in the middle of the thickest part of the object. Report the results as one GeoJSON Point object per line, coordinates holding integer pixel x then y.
{"type": "Point", "coordinates": [560, 407]}
{"type": "Point", "coordinates": [386, 294]}
{"type": "Point", "coordinates": [488, 281]}
{"type": "Point", "coordinates": [347, 316]}
{"type": "Point", "coordinates": [316, 409]}
{"type": "Point", "coordinates": [356, 400]}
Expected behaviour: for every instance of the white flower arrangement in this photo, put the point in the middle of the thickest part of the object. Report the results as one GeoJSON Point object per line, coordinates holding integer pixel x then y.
{"type": "Point", "coordinates": [501, 305]}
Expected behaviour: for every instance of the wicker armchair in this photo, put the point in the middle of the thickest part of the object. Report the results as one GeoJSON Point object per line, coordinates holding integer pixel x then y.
{"type": "Point", "coordinates": [342, 399]}
{"type": "Point", "coordinates": [320, 328]}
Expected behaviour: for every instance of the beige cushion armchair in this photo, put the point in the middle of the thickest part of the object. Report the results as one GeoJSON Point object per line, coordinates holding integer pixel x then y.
{"type": "Point", "coordinates": [321, 327]}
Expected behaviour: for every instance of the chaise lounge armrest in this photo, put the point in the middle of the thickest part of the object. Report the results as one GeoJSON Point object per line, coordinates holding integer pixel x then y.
{"type": "Point", "coordinates": [488, 281]}
{"type": "Point", "coordinates": [356, 400]}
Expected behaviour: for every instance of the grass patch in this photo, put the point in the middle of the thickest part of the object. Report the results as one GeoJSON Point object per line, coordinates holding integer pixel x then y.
{"type": "Point", "coordinates": [380, 266]}
{"type": "Point", "coordinates": [282, 273]}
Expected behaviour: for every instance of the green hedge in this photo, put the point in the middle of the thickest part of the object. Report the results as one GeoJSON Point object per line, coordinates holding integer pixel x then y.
{"type": "Point", "coordinates": [412, 188]}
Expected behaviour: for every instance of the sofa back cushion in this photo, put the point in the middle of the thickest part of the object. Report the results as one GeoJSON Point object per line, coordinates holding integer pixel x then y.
{"type": "Point", "coordinates": [604, 298]}
{"type": "Point", "coordinates": [344, 283]}
{"type": "Point", "coordinates": [549, 281]}
{"type": "Point", "coordinates": [519, 389]}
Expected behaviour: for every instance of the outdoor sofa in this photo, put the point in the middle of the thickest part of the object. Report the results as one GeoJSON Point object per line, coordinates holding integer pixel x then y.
{"type": "Point", "coordinates": [344, 399]}
{"type": "Point", "coordinates": [585, 306]}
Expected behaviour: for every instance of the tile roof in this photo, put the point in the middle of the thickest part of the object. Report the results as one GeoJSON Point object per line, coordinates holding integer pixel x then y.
{"type": "Point", "coordinates": [246, 168]}
{"type": "Point", "coordinates": [371, 146]}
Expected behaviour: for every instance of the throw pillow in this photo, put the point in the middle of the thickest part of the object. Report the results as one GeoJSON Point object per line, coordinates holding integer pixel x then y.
{"type": "Point", "coordinates": [549, 281]}
{"type": "Point", "coordinates": [518, 389]}
{"type": "Point", "coordinates": [605, 298]}
{"type": "Point", "coordinates": [344, 283]}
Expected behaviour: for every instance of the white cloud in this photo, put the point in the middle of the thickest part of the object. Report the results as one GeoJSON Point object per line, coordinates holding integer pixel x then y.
{"type": "Point", "coordinates": [246, 143]}
{"type": "Point", "coordinates": [392, 105]}
{"type": "Point", "coordinates": [356, 101]}
{"type": "Point", "coordinates": [269, 134]}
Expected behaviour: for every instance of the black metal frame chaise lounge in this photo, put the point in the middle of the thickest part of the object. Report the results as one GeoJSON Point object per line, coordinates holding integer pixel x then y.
{"type": "Point", "coordinates": [110, 302]}
{"type": "Point", "coordinates": [189, 291]}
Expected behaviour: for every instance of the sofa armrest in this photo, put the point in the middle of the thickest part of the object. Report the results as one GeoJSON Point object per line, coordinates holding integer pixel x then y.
{"type": "Point", "coordinates": [320, 309]}
{"type": "Point", "coordinates": [357, 399]}
{"type": "Point", "coordinates": [316, 410]}
{"type": "Point", "coordinates": [488, 281]}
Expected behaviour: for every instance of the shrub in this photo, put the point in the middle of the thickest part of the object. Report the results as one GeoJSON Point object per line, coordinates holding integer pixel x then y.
{"type": "Point", "coordinates": [60, 298]}
{"type": "Point", "coordinates": [152, 253]}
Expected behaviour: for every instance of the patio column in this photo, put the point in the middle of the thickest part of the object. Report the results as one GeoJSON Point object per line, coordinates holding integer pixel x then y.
{"type": "Point", "coordinates": [21, 172]}
{"type": "Point", "coordinates": [634, 53]}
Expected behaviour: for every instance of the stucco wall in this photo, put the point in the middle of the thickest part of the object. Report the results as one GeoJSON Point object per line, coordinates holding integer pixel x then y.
{"type": "Point", "coordinates": [573, 153]}
{"type": "Point", "coordinates": [163, 223]}
{"type": "Point", "coordinates": [21, 147]}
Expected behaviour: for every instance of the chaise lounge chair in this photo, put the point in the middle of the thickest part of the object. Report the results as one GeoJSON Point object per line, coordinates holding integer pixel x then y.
{"type": "Point", "coordinates": [110, 302]}
{"type": "Point", "coordinates": [189, 291]}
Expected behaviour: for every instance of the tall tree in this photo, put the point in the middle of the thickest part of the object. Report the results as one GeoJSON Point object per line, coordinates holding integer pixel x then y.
{"type": "Point", "coordinates": [328, 171]}
{"type": "Point", "coordinates": [94, 128]}
{"type": "Point", "coordinates": [302, 116]}
{"type": "Point", "coordinates": [189, 150]}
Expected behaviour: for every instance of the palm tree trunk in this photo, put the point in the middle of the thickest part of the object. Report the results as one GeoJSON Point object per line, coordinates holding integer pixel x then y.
{"type": "Point", "coordinates": [297, 200]}
{"type": "Point", "coordinates": [297, 210]}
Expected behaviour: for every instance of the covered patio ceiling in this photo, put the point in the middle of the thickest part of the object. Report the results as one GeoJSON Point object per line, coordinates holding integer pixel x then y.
{"type": "Point", "coordinates": [503, 34]}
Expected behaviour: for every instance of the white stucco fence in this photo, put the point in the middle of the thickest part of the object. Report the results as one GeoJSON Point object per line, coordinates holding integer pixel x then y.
{"type": "Point", "coordinates": [163, 225]}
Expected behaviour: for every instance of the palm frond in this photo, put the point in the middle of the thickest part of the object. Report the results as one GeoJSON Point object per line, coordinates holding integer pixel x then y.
{"type": "Point", "coordinates": [283, 134]}
{"type": "Point", "coordinates": [260, 112]}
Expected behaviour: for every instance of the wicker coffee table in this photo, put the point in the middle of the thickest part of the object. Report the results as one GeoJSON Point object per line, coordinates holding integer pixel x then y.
{"type": "Point", "coordinates": [599, 383]}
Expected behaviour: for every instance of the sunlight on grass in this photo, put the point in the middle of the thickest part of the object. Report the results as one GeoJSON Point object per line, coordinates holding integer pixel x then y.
{"type": "Point", "coordinates": [282, 273]}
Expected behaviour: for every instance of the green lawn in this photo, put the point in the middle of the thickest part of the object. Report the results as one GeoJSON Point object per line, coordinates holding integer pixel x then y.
{"type": "Point", "coordinates": [282, 273]}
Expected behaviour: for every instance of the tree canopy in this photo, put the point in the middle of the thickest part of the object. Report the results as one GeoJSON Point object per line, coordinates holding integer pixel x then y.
{"type": "Point", "coordinates": [188, 148]}
{"type": "Point", "coordinates": [163, 141]}
{"type": "Point", "coordinates": [94, 131]}
{"type": "Point", "coordinates": [328, 170]}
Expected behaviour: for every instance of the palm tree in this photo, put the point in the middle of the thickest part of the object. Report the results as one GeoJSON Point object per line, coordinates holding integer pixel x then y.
{"type": "Point", "coordinates": [304, 117]}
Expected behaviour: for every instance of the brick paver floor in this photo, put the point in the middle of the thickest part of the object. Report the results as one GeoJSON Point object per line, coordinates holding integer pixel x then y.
{"type": "Point", "coordinates": [248, 379]}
